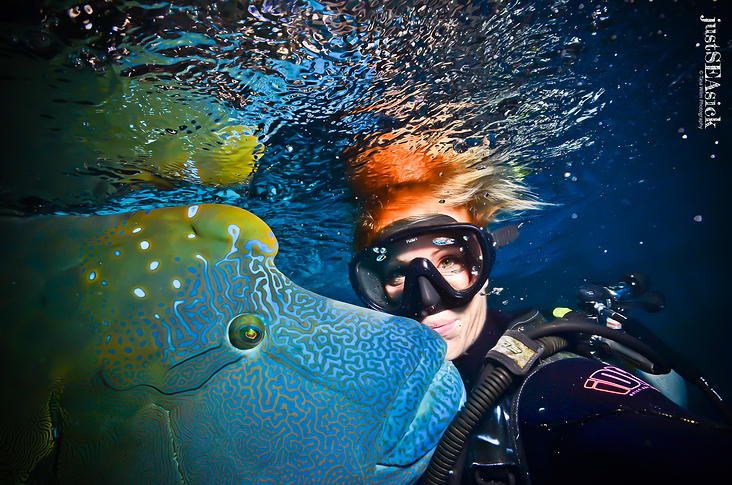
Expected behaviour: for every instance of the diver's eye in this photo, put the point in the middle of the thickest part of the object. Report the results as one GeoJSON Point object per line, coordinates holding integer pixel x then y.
{"type": "Point", "coordinates": [246, 331]}
{"type": "Point", "coordinates": [395, 280]}
{"type": "Point", "coordinates": [451, 265]}
{"type": "Point", "coordinates": [395, 276]}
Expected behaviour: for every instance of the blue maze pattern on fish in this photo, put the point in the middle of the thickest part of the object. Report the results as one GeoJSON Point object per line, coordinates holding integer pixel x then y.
{"type": "Point", "coordinates": [184, 356]}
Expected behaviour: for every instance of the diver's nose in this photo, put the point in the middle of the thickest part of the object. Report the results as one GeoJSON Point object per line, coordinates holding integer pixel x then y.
{"type": "Point", "coordinates": [428, 296]}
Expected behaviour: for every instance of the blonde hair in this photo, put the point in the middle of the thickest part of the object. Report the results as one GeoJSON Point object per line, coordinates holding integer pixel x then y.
{"type": "Point", "coordinates": [402, 175]}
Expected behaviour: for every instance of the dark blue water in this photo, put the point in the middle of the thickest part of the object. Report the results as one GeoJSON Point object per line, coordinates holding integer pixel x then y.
{"type": "Point", "coordinates": [651, 191]}
{"type": "Point", "coordinates": [598, 99]}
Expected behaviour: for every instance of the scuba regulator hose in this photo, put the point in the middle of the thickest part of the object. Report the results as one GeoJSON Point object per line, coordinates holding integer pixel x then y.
{"type": "Point", "coordinates": [491, 385]}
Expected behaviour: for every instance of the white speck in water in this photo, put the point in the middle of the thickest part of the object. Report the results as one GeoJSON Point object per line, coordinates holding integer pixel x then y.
{"type": "Point", "coordinates": [191, 235]}
{"type": "Point", "coordinates": [139, 292]}
{"type": "Point", "coordinates": [144, 245]}
{"type": "Point", "coordinates": [176, 284]}
{"type": "Point", "coordinates": [574, 215]}
{"type": "Point", "coordinates": [154, 265]}
{"type": "Point", "coordinates": [567, 175]}
{"type": "Point", "coordinates": [192, 211]}
{"type": "Point", "coordinates": [92, 275]}
{"type": "Point", "coordinates": [136, 230]}
{"type": "Point", "coordinates": [698, 218]}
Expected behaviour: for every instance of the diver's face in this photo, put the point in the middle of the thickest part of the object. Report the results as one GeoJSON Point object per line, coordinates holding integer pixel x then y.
{"type": "Point", "coordinates": [458, 327]}
{"type": "Point", "coordinates": [449, 260]}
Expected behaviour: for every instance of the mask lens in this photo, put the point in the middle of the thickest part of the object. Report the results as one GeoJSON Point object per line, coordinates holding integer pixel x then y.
{"type": "Point", "coordinates": [459, 259]}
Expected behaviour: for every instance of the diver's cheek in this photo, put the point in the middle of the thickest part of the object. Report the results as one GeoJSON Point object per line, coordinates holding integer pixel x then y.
{"type": "Point", "coordinates": [459, 281]}
{"type": "Point", "coordinates": [393, 293]}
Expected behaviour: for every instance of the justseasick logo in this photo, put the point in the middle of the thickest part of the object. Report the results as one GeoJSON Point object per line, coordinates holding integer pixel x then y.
{"type": "Point", "coordinates": [710, 78]}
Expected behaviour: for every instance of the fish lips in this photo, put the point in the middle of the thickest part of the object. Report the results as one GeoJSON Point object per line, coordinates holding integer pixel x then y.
{"type": "Point", "coordinates": [413, 429]}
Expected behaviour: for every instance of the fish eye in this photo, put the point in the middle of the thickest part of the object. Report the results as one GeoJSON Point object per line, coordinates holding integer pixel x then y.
{"type": "Point", "coordinates": [246, 331]}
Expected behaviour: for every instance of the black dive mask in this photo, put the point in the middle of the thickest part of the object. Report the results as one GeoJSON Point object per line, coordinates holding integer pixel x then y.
{"type": "Point", "coordinates": [428, 266]}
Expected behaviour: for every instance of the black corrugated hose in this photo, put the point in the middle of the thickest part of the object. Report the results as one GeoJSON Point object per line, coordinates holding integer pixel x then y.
{"type": "Point", "coordinates": [494, 382]}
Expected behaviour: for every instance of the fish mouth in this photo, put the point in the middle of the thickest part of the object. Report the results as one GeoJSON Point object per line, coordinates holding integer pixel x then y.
{"type": "Point", "coordinates": [439, 403]}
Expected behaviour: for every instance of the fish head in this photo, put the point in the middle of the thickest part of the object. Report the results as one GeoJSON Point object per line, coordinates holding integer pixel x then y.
{"type": "Point", "coordinates": [191, 336]}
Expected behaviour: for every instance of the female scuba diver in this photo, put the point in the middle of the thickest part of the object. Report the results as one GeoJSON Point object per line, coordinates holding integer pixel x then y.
{"type": "Point", "coordinates": [562, 417]}
{"type": "Point", "coordinates": [411, 187]}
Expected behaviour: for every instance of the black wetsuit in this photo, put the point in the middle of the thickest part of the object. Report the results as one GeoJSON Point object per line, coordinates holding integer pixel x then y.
{"type": "Point", "coordinates": [575, 420]}
{"type": "Point", "coordinates": [495, 458]}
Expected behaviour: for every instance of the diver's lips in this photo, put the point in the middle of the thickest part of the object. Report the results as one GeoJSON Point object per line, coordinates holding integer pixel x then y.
{"type": "Point", "coordinates": [444, 328]}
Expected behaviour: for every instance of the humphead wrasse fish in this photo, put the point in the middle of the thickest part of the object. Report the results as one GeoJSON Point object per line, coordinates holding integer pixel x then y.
{"type": "Point", "coordinates": [164, 346]}
{"type": "Point", "coordinates": [116, 133]}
